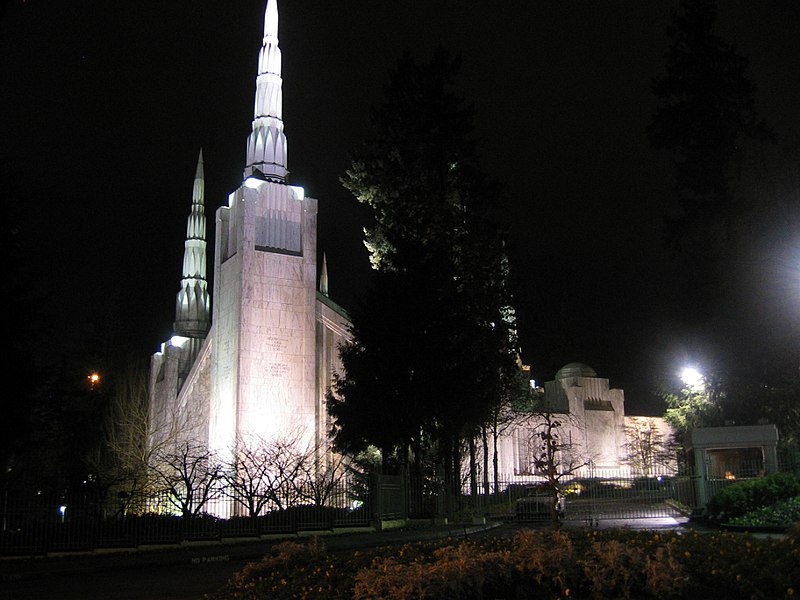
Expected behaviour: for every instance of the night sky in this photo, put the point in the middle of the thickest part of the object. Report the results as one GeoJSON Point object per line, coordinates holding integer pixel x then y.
{"type": "Point", "coordinates": [105, 105]}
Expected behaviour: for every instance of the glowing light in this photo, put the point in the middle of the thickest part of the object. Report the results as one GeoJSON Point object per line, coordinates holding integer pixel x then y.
{"type": "Point", "coordinates": [692, 378]}
{"type": "Point", "coordinates": [178, 341]}
{"type": "Point", "coordinates": [299, 192]}
{"type": "Point", "coordinates": [255, 180]}
{"type": "Point", "coordinates": [94, 379]}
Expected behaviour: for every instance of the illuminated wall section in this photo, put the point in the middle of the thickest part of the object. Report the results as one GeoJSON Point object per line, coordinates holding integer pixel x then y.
{"type": "Point", "coordinates": [226, 317]}
{"type": "Point", "coordinates": [264, 317]}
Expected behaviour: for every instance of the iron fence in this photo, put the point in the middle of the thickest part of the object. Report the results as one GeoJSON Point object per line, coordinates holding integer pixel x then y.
{"type": "Point", "coordinates": [38, 523]}
{"type": "Point", "coordinates": [589, 494]}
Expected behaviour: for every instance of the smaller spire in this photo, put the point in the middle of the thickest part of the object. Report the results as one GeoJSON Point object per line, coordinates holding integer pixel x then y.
{"type": "Point", "coordinates": [193, 304]}
{"type": "Point", "coordinates": [323, 277]}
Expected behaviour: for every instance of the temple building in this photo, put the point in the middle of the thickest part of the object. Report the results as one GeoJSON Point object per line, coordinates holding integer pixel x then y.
{"type": "Point", "coordinates": [255, 363]}
{"type": "Point", "coordinates": [594, 433]}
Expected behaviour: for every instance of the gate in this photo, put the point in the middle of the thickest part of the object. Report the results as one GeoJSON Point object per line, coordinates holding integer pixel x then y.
{"type": "Point", "coordinates": [606, 496]}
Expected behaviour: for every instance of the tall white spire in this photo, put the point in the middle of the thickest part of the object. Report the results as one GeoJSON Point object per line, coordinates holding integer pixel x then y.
{"type": "Point", "coordinates": [192, 305]}
{"type": "Point", "coordinates": [266, 144]}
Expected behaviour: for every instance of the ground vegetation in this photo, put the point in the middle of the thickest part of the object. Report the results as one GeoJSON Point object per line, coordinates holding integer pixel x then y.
{"type": "Point", "coordinates": [533, 564]}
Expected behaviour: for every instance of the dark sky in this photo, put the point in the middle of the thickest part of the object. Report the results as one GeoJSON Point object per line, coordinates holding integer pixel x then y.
{"type": "Point", "coordinates": [105, 104]}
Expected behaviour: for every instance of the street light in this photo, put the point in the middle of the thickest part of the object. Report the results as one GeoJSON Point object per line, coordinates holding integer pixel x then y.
{"type": "Point", "coordinates": [94, 379]}
{"type": "Point", "coordinates": [692, 379]}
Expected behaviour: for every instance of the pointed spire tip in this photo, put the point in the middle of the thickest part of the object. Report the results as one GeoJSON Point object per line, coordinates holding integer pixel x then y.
{"type": "Point", "coordinates": [271, 19]}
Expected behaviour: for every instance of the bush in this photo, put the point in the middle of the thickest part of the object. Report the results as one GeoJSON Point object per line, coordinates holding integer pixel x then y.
{"type": "Point", "coordinates": [534, 564]}
{"type": "Point", "coordinates": [781, 514]}
{"type": "Point", "coordinates": [746, 496]}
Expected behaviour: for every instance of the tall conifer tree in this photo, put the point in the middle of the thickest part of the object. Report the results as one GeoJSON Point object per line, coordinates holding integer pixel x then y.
{"type": "Point", "coordinates": [434, 337]}
{"type": "Point", "coordinates": [705, 118]}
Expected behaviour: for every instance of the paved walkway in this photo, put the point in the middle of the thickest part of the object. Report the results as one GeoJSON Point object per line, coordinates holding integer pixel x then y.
{"type": "Point", "coordinates": [643, 523]}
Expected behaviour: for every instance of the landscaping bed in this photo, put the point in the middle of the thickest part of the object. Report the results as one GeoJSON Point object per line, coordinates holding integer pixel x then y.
{"type": "Point", "coordinates": [533, 564]}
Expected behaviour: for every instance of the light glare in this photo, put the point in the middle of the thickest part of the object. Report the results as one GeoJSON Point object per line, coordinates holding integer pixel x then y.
{"type": "Point", "coordinates": [178, 341]}
{"type": "Point", "coordinates": [253, 182]}
{"type": "Point", "coordinates": [692, 378]}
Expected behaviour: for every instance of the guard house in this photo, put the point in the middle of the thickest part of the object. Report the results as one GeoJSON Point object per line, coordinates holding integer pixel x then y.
{"type": "Point", "coordinates": [726, 453]}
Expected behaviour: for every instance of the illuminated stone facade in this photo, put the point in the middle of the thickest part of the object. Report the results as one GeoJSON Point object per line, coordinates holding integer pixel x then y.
{"type": "Point", "coordinates": [262, 369]}
{"type": "Point", "coordinates": [594, 432]}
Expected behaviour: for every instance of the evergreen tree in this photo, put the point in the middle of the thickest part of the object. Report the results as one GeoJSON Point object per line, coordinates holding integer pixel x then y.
{"type": "Point", "coordinates": [706, 118]}
{"type": "Point", "coordinates": [706, 114]}
{"type": "Point", "coordinates": [435, 335]}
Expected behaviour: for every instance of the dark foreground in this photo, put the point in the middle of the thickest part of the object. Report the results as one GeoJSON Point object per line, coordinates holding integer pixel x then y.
{"type": "Point", "coordinates": [188, 573]}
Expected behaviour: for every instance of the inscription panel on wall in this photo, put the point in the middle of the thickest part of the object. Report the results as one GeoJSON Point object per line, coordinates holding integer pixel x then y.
{"type": "Point", "coordinates": [277, 370]}
{"type": "Point", "coordinates": [275, 343]}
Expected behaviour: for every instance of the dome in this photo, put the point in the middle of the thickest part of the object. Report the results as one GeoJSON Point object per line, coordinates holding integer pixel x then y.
{"type": "Point", "coordinates": [575, 369]}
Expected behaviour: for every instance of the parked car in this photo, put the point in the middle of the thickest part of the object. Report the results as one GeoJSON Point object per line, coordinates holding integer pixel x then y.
{"type": "Point", "coordinates": [535, 504]}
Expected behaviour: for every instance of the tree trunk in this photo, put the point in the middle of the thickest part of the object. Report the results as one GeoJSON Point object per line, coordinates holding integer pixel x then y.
{"type": "Point", "coordinates": [485, 443]}
{"type": "Point", "coordinates": [495, 466]}
{"type": "Point", "coordinates": [451, 460]}
{"type": "Point", "coordinates": [455, 485]}
{"type": "Point", "coordinates": [473, 470]}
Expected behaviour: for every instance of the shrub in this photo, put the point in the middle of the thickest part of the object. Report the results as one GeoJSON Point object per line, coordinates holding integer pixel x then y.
{"type": "Point", "coordinates": [781, 514]}
{"type": "Point", "coordinates": [532, 564]}
{"type": "Point", "coordinates": [746, 496]}
{"type": "Point", "coordinates": [459, 572]}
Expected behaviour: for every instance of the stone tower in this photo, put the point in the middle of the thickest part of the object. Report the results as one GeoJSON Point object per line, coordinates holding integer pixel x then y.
{"type": "Point", "coordinates": [262, 368]}
{"type": "Point", "coordinates": [265, 273]}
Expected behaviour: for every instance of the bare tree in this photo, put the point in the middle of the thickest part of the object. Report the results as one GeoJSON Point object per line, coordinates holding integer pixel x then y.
{"type": "Point", "coordinates": [321, 478]}
{"type": "Point", "coordinates": [554, 457]}
{"type": "Point", "coordinates": [119, 462]}
{"type": "Point", "coordinates": [268, 474]}
{"type": "Point", "coordinates": [247, 480]}
{"type": "Point", "coordinates": [646, 448]}
{"type": "Point", "coordinates": [134, 435]}
{"type": "Point", "coordinates": [287, 459]}
{"type": "Point", "coordinates": [188, 476]}
{"type": "Point", "coordinates": [502, 419]}
{"type": "Point", "coordinates": [511, 411]}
